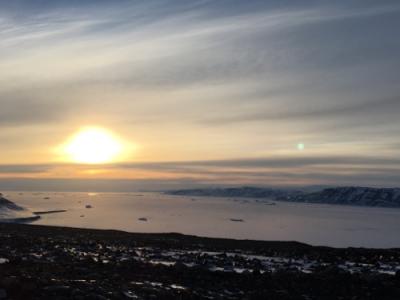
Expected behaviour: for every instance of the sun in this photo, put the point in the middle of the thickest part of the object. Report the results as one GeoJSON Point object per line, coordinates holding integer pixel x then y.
{"type": "Point", "coordinates": [93, 145]}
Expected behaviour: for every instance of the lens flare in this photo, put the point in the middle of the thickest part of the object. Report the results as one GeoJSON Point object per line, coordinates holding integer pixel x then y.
{"type": "Point", "coordinates": [301, 146]}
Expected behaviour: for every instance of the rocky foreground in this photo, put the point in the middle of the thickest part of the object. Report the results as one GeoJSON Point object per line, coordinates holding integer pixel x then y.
{"type": "Point", "coordinates": [38, 262]}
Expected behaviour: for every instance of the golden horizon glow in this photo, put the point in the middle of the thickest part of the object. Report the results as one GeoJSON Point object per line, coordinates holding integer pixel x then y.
{"type": "Point", "coordinates": [93, 145]}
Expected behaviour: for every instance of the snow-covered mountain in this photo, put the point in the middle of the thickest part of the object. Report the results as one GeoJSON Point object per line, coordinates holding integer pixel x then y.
{"type": "Point", "coordinates": [11, 212]}
{"type": "Point", "coordinates": [246, 192]}
{"type": "Point", "coordinates": [362, 196]}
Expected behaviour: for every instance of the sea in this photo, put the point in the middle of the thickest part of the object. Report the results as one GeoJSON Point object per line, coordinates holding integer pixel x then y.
{"type": "Point", "coordinates": [238, 218]}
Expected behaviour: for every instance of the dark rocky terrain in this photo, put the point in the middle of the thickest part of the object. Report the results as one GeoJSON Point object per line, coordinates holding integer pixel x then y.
{"type": "Point", "coordinates": [361, 196]}
{"type": "Point", "coordinates": [39, 262]}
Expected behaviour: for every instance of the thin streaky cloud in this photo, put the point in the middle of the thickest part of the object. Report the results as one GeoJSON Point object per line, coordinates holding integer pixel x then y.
{"type": "Point", "coordinates": [202, 82]}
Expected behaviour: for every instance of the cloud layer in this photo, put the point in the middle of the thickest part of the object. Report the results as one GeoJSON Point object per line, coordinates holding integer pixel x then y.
{"type": "Point", "coordinates": [207, 81]}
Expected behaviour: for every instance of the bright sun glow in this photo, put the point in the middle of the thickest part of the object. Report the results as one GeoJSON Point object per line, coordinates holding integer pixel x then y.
{"type": "Point", "coordinates": [93, 146]}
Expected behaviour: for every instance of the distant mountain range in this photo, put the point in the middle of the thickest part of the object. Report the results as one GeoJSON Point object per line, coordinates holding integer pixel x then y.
{"type": "Point", "coordinates": [247, 192]}
{"type": "Point", "coordinates": [361, 196]}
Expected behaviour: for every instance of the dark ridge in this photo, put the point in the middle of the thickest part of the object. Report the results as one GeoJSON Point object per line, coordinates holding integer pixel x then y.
{"type": "Point", "coordinates": [49, 212]}
{"type": "Point", "coordinates": [173, 240]}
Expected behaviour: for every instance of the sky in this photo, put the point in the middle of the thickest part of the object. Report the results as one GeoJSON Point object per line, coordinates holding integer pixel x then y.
{"type": "Point", "coordinates": [274, 93]}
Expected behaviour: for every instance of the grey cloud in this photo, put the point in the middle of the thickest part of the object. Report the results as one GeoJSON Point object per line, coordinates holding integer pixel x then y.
{"type": "Point", "coordinates": [323, 69]}
{"type": "Point", "coordinates": [331, 170]}
{"type": "Point", "coordinates": [276, 162]}
{"type": "Point", "coordinates": [383, 107]}
{"type": "Point", "coordinates": [35, 168]}
{"type": "Point", "coordinates": [19, 109]}
{"type": "Point", "coordinates": [345, 162]}
{"type": "Point", "coordinates": [241, 46]}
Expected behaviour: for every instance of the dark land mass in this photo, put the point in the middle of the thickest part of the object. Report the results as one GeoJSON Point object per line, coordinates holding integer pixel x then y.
{"type": "Point", "coordinates": [47, 212]}
{"type": "Point", "coordinates": [40, 262]}
{"type": "Point", "coordinates": [360, 196]}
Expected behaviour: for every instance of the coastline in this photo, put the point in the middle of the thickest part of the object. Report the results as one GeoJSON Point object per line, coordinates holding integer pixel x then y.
{"type": "Point", "coordinates": [315, 224]}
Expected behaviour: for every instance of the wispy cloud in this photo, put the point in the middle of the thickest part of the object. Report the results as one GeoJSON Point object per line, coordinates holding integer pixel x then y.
{"type": "Point", "coordinates": [205, 81]}
{"type": "Point", "coordinates": [303, 170]}
{"type": "Point", "coordinates": [376, 108]}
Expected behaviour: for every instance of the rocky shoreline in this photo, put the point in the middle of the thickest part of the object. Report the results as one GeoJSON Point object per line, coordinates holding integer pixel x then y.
{"type": "Point", "coordinates": [41, 262]}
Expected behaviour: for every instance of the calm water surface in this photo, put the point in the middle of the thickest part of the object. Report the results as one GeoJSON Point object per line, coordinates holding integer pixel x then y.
{"type": "Point", "coordinates": [315, 224]}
